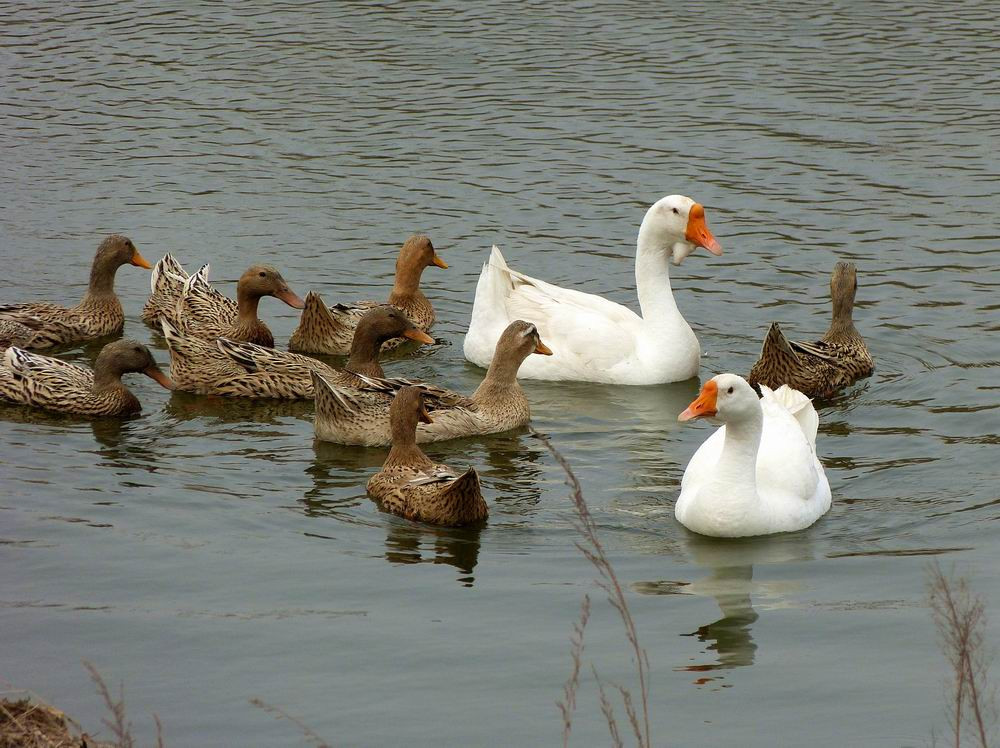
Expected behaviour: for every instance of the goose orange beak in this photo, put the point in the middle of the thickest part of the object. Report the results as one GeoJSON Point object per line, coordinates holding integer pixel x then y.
{"type": "Point", "coordinates": [419, 335]}
{"type": "Point", "coordinates": [705, 405]}
{"type": "Point", "coordinates": [439, 262]}
{"type": "Point", "coordinates": [139, 261]}
{"type": "Point", "coordinates": [697, 231]}
{"type": "Point", "coordinates": [164, 381]}
{"type": "Point", "coordinates": [290, 298]}
{"type": "Point", "coordinates": [540, 347]}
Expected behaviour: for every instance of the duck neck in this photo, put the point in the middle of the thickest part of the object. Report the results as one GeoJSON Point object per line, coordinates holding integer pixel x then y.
{"type": "Point", "coordinates": [101, 288]}
{"type": "Point", "coordinates": [652, 280]}
{"type": "Point", "coordinates": [106, 379]}
{"type": "Point", "coordinates": [501, 377]}
{"type": "Point", "coordinates": [364, 353]}
{"type": "Point", "coordinates": [404, 446]}
{"type": "Point", "coordinates": [246, 306]}
{"type": "Point", "coordinates": [842, 327]}
{"type": "Point", "coordinates": [406, 287]}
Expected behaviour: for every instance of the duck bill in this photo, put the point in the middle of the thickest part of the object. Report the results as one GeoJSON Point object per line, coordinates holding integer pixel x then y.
{"type": "Point", "coordinates": [697, 231]}
{"type": "Point", "coordinates": [439, 262]}
{"type": "Point", "coordinates": [704, 406]}
{"type": "Point", "coordinates": [540, 347]}
{"type": "Point", "coordinates": [290, 298]}
{"type": "Point", "coordinates": [164, 381]}
{"type": "Point", "coordinates": [419, 335]}
{"type": "Point", "coordinates": [424, 416]}
{"type": "Point", "coordinates": [139, 261]}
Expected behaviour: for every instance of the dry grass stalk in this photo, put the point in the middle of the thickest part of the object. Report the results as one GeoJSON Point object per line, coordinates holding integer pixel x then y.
{"type": "Point", "coordinates": [120, 727]}
{"type": "Point", "coordinates": [306, 731]}
{"type": "Point", "coordinates": [592, 549]}
{"type": "Point", "coordinates": [568, 705]}
{"type": "Point", "coordinates": [960, 618]}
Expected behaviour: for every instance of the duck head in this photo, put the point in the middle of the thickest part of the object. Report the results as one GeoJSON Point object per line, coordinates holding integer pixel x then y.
{"type": "Point", "coordinates": [265, 280]}
{"type": "Point", "coordinates": [677, 223]}
{"type": "Point", "coordinates": [408, 408]}
{"type": "Point", "coordinates": [417, 253]}
{"type": "Point", "coordinates": [115, 251]}
{"type": "Point", "coordinates": [126, 356]}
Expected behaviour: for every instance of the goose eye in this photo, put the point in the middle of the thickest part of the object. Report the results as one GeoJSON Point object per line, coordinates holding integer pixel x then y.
{"type": "Point", "coordinates": [730, 390]}
{"type": "Point", "coordinates": [676, 212]}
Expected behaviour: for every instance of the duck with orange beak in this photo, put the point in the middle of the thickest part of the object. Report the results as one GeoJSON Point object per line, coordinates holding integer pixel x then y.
{"type": "Point", "coordinates": [98, 314]}
{"type": "Point", "coordinates": [658, 346]}
{"type": "Point", "coordinates": [758, 473]}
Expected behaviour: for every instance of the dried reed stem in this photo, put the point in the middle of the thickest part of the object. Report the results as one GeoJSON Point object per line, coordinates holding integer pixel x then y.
{"type": "Point", "coordinates": [306, 730]}
{"type": "Point", "coordinates": [568, 705]}
{"type": "Point", "coordinates": [119, 726]}
{"type": "Point", "coordinates": [960, 618]}
{"type": "Point", "coordinates": [592, 549]}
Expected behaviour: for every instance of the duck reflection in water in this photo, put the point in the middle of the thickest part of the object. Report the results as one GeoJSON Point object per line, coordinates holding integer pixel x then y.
{"type": "Point", "coordinates": [415, 543]}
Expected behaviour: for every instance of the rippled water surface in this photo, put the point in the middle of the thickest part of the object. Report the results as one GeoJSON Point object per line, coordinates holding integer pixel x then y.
{"type": "Point", "coordinates": [209, 552]}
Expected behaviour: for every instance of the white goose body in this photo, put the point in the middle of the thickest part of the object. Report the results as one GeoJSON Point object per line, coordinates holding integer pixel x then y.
{"type": "Point", "coordinates": [594, 339]}
{"type": "Point", "coordinates": [758, 474]}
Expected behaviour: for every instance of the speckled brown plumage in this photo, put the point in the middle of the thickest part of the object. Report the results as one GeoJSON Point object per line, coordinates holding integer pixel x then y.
{"type": "Point", "coordinates": [413, 486]}
{"type": "Point", "coordinates": [201, 311]}
{"type": "Point", "coordinates": [824, 367]}
{"type": "Point", "coordinates": [14, 333]}
{"type": "Point", "coordinates": [235, 369]}
{"type": "Point", "coordinates": [33, 379]}
{"type": "Point", "coordinates": [98, 314]}
{"type": "Point", "coordinates": [330, 330]}
{"type": "Point", "coordinates": [361, 415]}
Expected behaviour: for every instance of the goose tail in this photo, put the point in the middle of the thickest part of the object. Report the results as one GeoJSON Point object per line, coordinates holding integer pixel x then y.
{"type": "Point", "coordinates": [798, 405]}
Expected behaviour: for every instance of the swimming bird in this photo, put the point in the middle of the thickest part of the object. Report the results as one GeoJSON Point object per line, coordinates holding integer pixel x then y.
{"type": "Point", "coordinates": [330, 330]}
{"type": "Point", "coordinates": [233, 369]}
{"type": "Point", "coordinates": [823, 367]}
{"type": "Point", "coordinates": [411, 485]}
{"type": "Point", "coordinates": [594, 339]}
{"type": "Point", "coordinates": [759, 473]}
{"type": "Point", "coordinates": [32, 379]}
{"type": "Point", "coordinates": [98, 314]}
{"type": "Point", "coordinates": [361, 414]}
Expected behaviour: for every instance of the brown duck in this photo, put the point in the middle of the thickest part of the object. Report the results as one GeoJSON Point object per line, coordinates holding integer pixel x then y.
{"type": "Point", "coordinates": [233, 369]}
{"type": "Point", "coordinates": [330, 330]}
{"type": "Point", "coordinates": [413, 486]}
{"type": "Point", "coordinates": [98, 314]}
{"type": "Point", "coordinates": [52, 384]}
{"type": "Point", "coordinates": [203, 312]}
{"type": "Point", "coordinates": [361, 414]}
{"type": "Point", "coordinates": [824, 367]}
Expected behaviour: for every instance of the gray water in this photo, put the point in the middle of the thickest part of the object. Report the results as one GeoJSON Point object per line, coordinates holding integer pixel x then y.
{"type": "Point", "coordinates": [209, 552]}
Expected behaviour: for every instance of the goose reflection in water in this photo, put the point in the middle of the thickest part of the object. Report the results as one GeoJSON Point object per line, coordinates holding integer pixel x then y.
{"type": "Point", "coordinates": [730, 583]}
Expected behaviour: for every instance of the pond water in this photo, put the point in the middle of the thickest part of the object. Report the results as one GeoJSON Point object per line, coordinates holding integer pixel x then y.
{"type": "Point", "coordinates": [209, 552]}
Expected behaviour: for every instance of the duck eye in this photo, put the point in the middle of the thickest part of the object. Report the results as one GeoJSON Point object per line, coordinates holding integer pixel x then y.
{"type": "Point", "coordinates": [676, 212]}
{"type": "Point", "coordinates": [262, 274]}
{"type": "Point", "coordinates": [138, 349]}
{"type": "Point", "coordinates": [730, 390]}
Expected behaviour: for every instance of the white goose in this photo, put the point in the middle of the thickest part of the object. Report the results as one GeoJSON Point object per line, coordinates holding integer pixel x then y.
{"type": "Point", "coordinates": [759, 473]}
{"type": "Point", "coordinates": [593, 339]}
